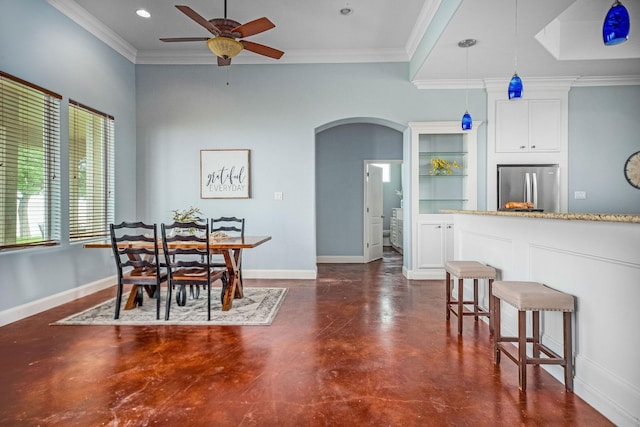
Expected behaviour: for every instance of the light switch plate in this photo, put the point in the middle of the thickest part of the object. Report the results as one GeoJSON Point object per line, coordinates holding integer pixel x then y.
{"type": "Point", "coordinates": [277, 195]}
{"type": "Point", "coordinates": [580, 195]}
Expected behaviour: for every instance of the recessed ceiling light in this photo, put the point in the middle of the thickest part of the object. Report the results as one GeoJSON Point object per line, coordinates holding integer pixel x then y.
{"type": "Point", "coordinates": [346, 11]}
{"type": "Point", "coordinates": [143, 13]}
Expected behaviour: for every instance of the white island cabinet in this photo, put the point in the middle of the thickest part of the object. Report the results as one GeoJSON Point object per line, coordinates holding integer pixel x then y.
{"type": "Point", "coordinates": [596, 258]}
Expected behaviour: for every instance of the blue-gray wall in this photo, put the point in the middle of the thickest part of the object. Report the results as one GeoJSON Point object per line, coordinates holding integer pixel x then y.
{"type": "Point", "coordinates": [603, 133]}
{"type": "Point", "coordinates": [339, 181]}
{"type": "Point", "coordinates": [166, 113]}
{"type": "Point", "coordinates": [40, 45]}
{"type": "Point", "coordinates": [275, 111]}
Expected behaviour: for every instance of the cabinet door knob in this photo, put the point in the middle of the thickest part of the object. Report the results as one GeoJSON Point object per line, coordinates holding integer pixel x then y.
{"type": "Point", "coordinates": [438, 226]}
{"type": "Point", "coordinates": [448, 226]}
{"type": "Point", "coordinates": [522, 146]}
{"type": "Point", "coordinates": [533, 146]}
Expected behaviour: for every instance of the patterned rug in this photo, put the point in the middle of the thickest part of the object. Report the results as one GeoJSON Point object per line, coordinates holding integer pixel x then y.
{"type": "Point", "coordinates": [258, 307]}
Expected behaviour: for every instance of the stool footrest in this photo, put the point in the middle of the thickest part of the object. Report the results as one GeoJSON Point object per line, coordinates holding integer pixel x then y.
{"type": "Point", "coordinates": [552, 360]}
{"type": "Point", "coordinates": [471, 313]}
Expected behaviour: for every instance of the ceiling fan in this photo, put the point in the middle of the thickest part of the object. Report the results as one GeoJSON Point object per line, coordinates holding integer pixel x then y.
{"type": "Point", "coordinates": [226, 32]}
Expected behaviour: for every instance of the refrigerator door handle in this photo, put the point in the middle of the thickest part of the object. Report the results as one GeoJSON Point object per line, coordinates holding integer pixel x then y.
{"type": "Point", "coordinates": [534, 189]}
{"type": "Point", "coordinates": [527, 187]}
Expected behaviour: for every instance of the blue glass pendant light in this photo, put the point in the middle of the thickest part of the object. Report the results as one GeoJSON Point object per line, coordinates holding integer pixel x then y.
{"type": "Point", "coordinates": [615, 29]}
{"type": "Point", "coordinates": [515, 85]}
{"type": "Point", "coordinates": [467, 122]}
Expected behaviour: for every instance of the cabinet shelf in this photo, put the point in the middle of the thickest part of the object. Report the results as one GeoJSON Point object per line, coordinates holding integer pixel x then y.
{"type": "Point", "coordinates": [453, 175]}
{"type": "Point", "coordinates": [443, 200]}
{"type": "Point", "coordinates": [442, 153]}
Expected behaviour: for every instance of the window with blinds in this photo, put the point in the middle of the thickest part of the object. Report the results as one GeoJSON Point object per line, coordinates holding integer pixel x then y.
{"type": "Point", "coordinates": [29, 164]}
{"type": "Point", "coordinates": [91, 172]}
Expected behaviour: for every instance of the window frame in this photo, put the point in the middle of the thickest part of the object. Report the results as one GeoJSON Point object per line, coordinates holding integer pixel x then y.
{"type": "Point", "coordinates": [97, 131]}
{"type": "Point", "coordinates": [25, 107]}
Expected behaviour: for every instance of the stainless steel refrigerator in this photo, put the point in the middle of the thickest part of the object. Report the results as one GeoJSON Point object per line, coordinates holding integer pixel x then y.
{"type": "Point", "coordinates": [538, 184]}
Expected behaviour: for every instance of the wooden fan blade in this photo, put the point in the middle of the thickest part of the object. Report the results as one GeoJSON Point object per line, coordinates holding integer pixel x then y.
{"type": "Point", "coordinates": [254, 27]}
{"type": "Point", "coordinates": [199, 19]}
{"type": "Point", "coordinates": [261, 49]}
{"type": "Point", "coordinates": [223, 61]}
{"type": "Point", "coordinates": [185, 39]}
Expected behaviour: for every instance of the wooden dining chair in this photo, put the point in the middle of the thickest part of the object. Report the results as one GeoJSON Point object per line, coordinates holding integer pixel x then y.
{"type": "Point", "coordinates": [135, 249]}
{"type": "Point", "coordinates": [231, 226]}
{"type": "Point", "coordinates": [187, 255]}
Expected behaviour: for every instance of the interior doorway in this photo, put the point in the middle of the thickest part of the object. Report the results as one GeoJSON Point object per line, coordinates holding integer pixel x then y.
{"type": "Point", "coordinates": [390, 203]}
{"type": "Point", "coordinates": [341, 148]}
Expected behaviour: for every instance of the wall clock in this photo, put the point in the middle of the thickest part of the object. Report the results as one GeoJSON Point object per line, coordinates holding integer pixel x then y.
{"type": "Point", "coordinates": [632, 169]}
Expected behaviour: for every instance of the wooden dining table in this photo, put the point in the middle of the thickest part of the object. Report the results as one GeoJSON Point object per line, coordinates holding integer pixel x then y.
{"type": "Point", "coordinates": [230, 248]}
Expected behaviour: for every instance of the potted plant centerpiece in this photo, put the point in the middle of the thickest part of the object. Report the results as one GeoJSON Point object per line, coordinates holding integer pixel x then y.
{"type": "Point", "coordinates": [188, 215]}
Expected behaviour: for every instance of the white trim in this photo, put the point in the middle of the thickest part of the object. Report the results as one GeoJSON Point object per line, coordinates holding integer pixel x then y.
{"type": "Point", "coordinates": [449, 84]}
{"type": "Point", "coordinates": [280, 274]}
{"type": "Point", "coordinates": [34, 307]}
{"type": "Point", "coordinates": [340, 259]}
{"type": "Point", "coordinates": [80, 16]}
{"type": "Point", "coordinates": [425, 18]}
{"type": "Point", "coordinates": [608, 81]}
{"type": "Point", "coordinates": [426, 274]}
{"type": "Point", "coordinates": [14, 314]}
{"type": "Point", "coordinates": [500, 84]}
{"type": "Point", "coordinates": [299, 56]}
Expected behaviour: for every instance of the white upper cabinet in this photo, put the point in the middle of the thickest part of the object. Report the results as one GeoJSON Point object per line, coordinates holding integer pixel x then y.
{"type": "Point", "coordinates": [530, 130]}
{"type": "Point", "coordinates": [528, 125]}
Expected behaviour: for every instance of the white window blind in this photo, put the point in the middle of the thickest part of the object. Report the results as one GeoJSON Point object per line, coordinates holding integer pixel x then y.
{"type": "Point", "coordinates": [91, 172]}
{"type": "Point", "coordinates": [29, 164]}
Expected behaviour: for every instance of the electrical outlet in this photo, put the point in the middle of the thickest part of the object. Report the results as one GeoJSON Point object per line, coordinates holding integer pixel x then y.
{"type": "Point", "coordinates": [579, 195]}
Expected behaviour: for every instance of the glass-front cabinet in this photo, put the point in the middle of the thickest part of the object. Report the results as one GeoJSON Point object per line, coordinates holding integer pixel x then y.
{"type": "Point", "coordinates": [444, 173]}
{"type": "Point", "coordinates": [444, 167]}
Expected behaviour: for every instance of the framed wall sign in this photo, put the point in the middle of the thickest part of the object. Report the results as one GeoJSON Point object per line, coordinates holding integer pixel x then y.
{"type": "Point", "coordinates": [224, 174]}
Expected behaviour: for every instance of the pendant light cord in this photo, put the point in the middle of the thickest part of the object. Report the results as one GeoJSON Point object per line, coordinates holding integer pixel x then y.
{"type": "Point", "coordinates": [466, 102]}
{"type": "Point", "coordinates": [515, 67]}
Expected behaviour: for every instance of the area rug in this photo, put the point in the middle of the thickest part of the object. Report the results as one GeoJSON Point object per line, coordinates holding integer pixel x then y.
{"type": "Point", "coordinates": [258, 307]}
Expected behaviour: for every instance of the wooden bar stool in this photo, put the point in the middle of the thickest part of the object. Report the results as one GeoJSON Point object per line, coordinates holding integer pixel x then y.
{"type": "Point", "coordinates": [468, 270]}
{"type": "Point", "coordinates": [534, 297]}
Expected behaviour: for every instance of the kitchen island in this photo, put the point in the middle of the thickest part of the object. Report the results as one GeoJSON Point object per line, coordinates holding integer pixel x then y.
{"type": "Point", "coordinates": [596, 258]}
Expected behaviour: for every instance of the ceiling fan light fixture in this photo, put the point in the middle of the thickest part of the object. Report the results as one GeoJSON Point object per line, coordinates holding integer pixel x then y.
{"type": "Point", "coordinates": [224, 47]}
{"type": "Point", "coordinates": [615, 29]}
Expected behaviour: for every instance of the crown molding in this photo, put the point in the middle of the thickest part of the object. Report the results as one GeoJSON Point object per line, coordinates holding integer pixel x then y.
{"type": "Point", "coordinates": [425, 18]}
{"type": "Point", "coordinates": [80, 16]}
{"type": "Point", "coordinates": [538, 83]}
{"type": "Point", "coordinates": [177, 57]}
{"type": "Point", "coordinates": [607, 81]}
{"type": "Point", "coordinates": [531, 83]}
{"type": "Point", "coordinates": [449, 84]}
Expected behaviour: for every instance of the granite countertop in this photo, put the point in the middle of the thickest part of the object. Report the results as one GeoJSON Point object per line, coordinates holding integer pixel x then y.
{"type": "Point", "coordinates": [550, 215]}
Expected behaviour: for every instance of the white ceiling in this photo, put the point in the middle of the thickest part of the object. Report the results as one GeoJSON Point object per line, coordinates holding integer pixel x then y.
{"type": "Point", "coordinates": [556, 38]}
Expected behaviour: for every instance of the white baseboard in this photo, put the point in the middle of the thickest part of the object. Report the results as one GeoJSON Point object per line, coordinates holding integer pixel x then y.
{"type": "Point", "coordinates": [20, 312]}
{"type": "Point", "coordinates": [426, 274]}
{"type": "Point", "coordinates": [34, 307]}
{"type": "Point", "coordinates": [280, 274]}
{"type": "Point", "coordinates": [340, 260]}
